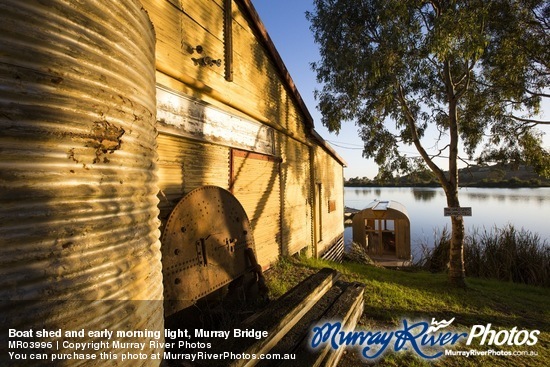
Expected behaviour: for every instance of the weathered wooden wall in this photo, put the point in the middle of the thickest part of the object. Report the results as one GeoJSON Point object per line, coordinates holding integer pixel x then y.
{"type": "Point", "coordinates": [329, 177]}
{"type": "Point", "coordinates": [208, 123]}
{"type": "Point", "coordinates": [296, 196]}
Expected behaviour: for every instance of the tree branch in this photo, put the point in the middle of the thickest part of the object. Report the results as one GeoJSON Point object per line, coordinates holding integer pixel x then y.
{"type": "Point", "coordinates": [440, 152]}
{"type": "Point", "coordinates": [468, 164]}
{"type": "Point", "coordinates": [437, 6]}
{"type": "Point", "coordinates": [535, 94]}
{"type": "Point", "coordinates": [466, 76]}
{"type": "Point", "coordinates": [536, 122]}
{"type": "Point", "coordinates": [425, 20]}
{"type": "Point", "coordinates": [452, 183]}
{"type": "Point", "coordinates": [416, 140]}
{"type": "Point", "coordinates": [448, 78]}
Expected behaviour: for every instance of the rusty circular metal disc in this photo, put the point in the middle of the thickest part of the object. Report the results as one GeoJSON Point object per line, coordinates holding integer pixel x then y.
{"type": "Point", "coordinates": [203, 246]}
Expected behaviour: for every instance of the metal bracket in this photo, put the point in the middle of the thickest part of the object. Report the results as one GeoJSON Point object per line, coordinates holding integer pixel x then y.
{"type": "Point", "coordinates": [207, 61]}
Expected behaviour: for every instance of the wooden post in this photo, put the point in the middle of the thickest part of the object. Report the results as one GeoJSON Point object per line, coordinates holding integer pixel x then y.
{"type": "Point", "coordinates": [228, 39]}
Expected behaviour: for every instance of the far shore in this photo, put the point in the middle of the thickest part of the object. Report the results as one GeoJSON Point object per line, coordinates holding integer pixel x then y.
{"type": "Point", "coordinates": [478, 185]}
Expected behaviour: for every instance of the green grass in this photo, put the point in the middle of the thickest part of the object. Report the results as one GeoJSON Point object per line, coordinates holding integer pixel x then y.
{"type": "Point", "coordinates": [392, 296]}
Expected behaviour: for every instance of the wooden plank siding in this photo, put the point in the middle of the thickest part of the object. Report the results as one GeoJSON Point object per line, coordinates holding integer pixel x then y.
{"type": "Point", "coordinates": [255, 183]}
{"type": "Point", "coordinates": [275, 187]}
{"type": "Point", "coordinates": [329, 175]}
{"type": "Point", "coordinates": [296, 196]}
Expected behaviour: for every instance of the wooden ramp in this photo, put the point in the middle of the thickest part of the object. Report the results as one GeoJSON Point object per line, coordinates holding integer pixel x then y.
{"type": "Point", "coordinates": [288, 321]}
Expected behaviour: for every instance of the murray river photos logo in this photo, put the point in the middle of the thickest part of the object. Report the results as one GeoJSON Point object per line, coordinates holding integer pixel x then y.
{"type": "Point", "coordinates": [429, 341]}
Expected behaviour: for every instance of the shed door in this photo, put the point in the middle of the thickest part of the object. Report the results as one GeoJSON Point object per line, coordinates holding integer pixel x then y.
{"type": "Point", "coordinates": [256, 184]}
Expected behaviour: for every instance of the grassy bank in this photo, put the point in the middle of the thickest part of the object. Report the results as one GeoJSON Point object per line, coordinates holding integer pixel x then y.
{"type": "Point", "coordinates": [393, 295]}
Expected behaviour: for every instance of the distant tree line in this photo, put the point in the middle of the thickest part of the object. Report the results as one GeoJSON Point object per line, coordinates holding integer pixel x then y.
{"type": "Point", "coordinates": [499, 175]}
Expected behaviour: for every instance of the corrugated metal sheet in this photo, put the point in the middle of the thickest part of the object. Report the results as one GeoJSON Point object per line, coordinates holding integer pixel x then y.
{"type": "Point", "coordinates": [256, 184]}
{"type": "Point", "coordinates": [295, 176]}
{"type": "Point", "coordinates": [329, 206]}
{"type": "Point", "coordinates": [398, 210]}
{"type": "Point", "coordinates": [185, 165]}
{"type": "Point", "coordinates": [79, 235]}
{"type": "Point", "coordinates": [336, 251]}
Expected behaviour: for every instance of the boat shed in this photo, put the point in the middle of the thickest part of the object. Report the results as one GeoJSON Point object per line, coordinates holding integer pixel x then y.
{"type": "Point", "coordinates": [383, 228]}
{"type": "Point", "coordinates": [229, 115]}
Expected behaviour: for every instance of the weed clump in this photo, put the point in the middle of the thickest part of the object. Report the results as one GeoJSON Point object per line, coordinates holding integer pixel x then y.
{"type": "Point", "coordinates": [505, 254]}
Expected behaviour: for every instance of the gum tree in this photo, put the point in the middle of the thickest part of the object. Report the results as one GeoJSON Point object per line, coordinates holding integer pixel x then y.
{"type": "Point", "coordinates": [474, 72]}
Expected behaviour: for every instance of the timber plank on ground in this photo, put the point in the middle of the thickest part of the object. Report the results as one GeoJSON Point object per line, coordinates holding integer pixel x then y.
{"type": "Point", "coordinates": [289, 319]}
{"type": "Point", "coordinates": [278, 318]}
{"type": "Point", "coordinates": [347, 310]}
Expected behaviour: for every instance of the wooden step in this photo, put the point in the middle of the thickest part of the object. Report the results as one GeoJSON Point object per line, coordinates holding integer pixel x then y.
{"type": "Point", "coordinates": [355, 301]}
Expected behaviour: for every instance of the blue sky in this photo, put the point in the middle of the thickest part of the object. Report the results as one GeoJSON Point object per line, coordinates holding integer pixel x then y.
{"type": "Point", "coordinates": [287, 26]}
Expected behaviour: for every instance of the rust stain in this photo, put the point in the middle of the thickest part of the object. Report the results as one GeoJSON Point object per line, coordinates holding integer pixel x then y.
{"type": "Point", "coordinates": [70, 155]}
{"type": "Point", "coordinates": [105, 138]}
{"type": "Point", "coordinates": [57, 80]}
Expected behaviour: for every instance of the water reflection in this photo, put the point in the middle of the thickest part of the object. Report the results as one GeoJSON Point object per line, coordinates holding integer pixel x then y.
{"type": "Point", "coordinates": [423, 195]}
{"type": "Point", "coordinates": [481, 196]}
{"type": "Point", "coordinates": [523, 196]}
{"type": "Point", "coordinates": [524, 208]}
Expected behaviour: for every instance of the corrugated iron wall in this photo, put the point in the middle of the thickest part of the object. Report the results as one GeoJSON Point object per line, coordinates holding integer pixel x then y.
{"type": "Point", "coordinates": [296, 194]}
{"type": "Point", "coordinates": [257, 103]}
{"type": "Point", "coordinates": [78, 187]}
{"type": "Point", "coordinates": [256, 184]}
{"type": "Point", "coordinates": [329, 175]}
{"type": "Point", "coordinates": [185, 165]}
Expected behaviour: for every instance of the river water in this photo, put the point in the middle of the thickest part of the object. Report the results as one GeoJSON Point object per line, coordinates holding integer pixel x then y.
{"type": "Point", "coordinates": [524, 208]}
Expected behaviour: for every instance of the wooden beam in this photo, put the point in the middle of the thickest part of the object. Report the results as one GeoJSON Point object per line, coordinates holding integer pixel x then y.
{"type": "Point", "coordinates": [228, 39]}
{"type": "Point", "coordinates": [278, 318]}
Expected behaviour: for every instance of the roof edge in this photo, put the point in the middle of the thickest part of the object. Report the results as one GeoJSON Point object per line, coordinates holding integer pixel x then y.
{"type": "Point", "coordinates": [268, 43]}
{"type": "Point", "coordinates": [328, 148]}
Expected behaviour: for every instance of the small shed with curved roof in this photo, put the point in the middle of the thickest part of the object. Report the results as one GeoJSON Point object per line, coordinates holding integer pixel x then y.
{"type": "Point", "coordinates": [383, 229]}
